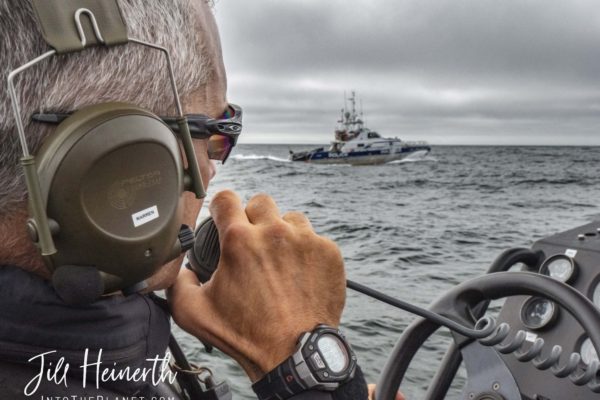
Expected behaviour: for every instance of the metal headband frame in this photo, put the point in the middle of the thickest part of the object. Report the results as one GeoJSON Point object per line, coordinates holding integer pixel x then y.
{"type": "Point", "coordinates": [28, 161]}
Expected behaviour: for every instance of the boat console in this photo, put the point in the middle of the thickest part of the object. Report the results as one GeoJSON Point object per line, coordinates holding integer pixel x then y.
{"type": "Point", "coordinates": [572, 257]}
{"type": "Point", "coordinates": [543, 345]}
{"type": "Point", "coordinates": [547, 332]}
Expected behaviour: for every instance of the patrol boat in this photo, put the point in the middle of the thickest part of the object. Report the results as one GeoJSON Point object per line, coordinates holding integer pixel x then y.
{"type": "Point", "coordinates": [358, 145]}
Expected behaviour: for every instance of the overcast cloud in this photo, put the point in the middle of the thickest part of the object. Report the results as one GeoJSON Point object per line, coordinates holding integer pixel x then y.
{"type": "Point", "coordinates": [446, 71]}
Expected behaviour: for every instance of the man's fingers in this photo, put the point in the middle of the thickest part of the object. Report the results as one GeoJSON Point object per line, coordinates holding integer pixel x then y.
{"type": "Point", "coordinates": [262, 209]}
{"type": "Point", "coordinates": [226, 208]}
{"type": "Point", "coordinates": [399, 395]}
{"type": "Point", "coordinates": [186, 277]}
{"type": "Point", "coordinates": [297, 219]}
{"type": "Point", "coordinates": [185, 280]}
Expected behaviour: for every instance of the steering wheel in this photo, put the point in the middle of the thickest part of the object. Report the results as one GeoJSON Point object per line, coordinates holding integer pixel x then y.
{"type": "Point", "coordinates": [458, 304]}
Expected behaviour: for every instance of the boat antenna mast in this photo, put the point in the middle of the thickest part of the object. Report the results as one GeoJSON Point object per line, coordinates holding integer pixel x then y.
{"type": "Point", "coordinates": [352, 117]}
{"type": "Point", "coordinates": [341, 131]}
{"type": "Point", "coordinates": [353, 100]}
{"type": "Point", "coordinates": [345, 108]}
{"type": "Point", "coordinates": [350, 122]}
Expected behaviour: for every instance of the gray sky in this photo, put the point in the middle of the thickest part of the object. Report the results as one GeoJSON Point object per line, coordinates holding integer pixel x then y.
{"type": "Point", "coordinates": [446, 71]}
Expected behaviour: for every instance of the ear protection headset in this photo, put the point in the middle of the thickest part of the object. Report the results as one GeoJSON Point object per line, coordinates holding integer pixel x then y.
{"type": "Point", "coordinates": [105, 190]}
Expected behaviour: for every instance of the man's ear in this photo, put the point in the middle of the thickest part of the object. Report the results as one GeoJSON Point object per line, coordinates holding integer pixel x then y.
{"type": "Point", "coordinates": [16, 248]}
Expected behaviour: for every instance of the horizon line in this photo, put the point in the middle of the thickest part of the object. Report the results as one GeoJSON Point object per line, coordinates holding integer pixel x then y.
{"type": "Point", "coordinates": [437, 145]}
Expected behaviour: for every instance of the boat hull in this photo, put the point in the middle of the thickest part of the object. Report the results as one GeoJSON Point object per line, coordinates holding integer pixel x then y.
{"type": "Point", "coordinates": [366, 157]}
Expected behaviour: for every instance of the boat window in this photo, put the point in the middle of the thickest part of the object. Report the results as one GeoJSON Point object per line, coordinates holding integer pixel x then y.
{"type": "Point", "coordinates": [360, 145]}
{"type": "Point", "coordinates": [373, 135]}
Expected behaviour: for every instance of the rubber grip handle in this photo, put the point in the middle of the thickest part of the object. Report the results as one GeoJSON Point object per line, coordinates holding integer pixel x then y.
{"type": "Point", "coordinates": [203, 258]}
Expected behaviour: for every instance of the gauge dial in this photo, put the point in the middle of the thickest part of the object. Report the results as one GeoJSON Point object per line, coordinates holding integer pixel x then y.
{"type": "Point", "coordinates": [537, 312]}
{"type": "Point", "coordinates": [596, 295]}
{"type": "Point", "coordinates": [588, 353]}
{"type": "Point", "coordinates": [560, 267]}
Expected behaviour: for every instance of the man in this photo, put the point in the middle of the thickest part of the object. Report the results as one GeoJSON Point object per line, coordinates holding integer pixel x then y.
{"type": "Point", "coordinates": [276, 278]}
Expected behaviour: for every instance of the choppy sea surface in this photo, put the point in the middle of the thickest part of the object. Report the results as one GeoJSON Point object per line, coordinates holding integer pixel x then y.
{"type": "Point", "coordinates": [414, 229]}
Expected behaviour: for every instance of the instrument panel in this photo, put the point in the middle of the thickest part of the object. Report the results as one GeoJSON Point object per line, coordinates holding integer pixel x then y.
{"type": "Point", "coordinates": [572, 257]}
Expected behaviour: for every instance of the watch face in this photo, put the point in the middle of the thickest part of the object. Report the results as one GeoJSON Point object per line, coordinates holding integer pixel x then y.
{"type": "Point", "coordinates": [334, 352]}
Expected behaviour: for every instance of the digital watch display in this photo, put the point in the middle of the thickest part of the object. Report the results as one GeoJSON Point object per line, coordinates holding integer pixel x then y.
{"type": "Point", "coordinates": [322, 361]}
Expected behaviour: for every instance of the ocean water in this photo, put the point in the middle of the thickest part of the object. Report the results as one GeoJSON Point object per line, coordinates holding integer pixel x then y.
{"type": "Point", "coordinates": [414, 229]}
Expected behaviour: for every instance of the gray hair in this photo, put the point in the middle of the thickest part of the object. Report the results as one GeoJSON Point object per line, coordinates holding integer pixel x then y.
{"type": "Point", "coordinates": [129, 73]}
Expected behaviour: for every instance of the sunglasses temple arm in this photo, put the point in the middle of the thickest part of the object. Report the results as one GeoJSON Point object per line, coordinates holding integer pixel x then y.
{"type": "Point", "coordinates": [193, 171]}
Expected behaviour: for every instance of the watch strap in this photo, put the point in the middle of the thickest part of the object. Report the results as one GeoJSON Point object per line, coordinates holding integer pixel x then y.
{"type": "Point", "coordinates": [305, 370]}
{"type": "Point", "coordinates": [281, 383]}
{"type": "Point", "coordinates": [314, 395]}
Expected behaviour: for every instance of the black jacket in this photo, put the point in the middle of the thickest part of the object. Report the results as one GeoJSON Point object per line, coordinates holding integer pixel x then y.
{"type": "Point", "coordinates": [128, 330]}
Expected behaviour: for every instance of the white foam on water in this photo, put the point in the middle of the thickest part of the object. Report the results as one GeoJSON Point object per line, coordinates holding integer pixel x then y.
{"type": "Point", "coordinates": [258, 157]}
{"type": "Point", "coordinates": [411, 159]}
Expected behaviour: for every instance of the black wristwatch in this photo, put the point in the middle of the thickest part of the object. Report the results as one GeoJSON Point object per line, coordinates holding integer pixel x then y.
{"type": "Point", "coordinates": [323, 360]}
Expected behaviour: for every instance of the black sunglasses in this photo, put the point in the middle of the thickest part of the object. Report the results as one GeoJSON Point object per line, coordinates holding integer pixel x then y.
{"type": "Point", "coordinates": [222, 133]}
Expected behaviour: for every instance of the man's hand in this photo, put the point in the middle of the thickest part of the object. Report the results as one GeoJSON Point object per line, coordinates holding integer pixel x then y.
{"type": "Point", "coordinates": [276, 279]}
{"type": "Point", "coordinates": [399, 396]}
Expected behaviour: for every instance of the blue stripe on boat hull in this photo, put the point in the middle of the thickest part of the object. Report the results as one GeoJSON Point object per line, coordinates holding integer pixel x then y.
{"type": "Point", "coordinates": [362, 157]}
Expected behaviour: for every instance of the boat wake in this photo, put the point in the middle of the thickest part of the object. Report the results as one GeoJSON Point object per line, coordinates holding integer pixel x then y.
{"type": "Point", "coordinates": [252, 157]}
{"type": "Point", "coordinates": [411, 159]}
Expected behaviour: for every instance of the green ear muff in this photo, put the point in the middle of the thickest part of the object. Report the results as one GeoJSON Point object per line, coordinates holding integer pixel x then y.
{"type": "Point", "coordinates": [112, 180]}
